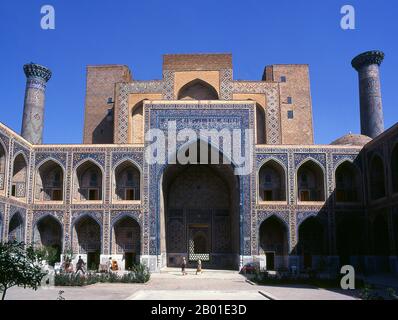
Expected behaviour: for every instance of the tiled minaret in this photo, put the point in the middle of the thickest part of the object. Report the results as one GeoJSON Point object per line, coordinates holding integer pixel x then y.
{"type": "Point", "coordinates": [33, 115]}
{"type": "Point", "coordinates": [367, 64]}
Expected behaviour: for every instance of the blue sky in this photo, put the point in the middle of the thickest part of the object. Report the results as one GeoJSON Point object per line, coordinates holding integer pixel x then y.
{"type": "Point", "coordinates": [137, 33]}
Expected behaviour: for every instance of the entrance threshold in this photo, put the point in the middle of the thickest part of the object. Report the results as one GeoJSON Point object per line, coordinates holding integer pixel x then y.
{"type": "Point", "coordinates": [190, 270]}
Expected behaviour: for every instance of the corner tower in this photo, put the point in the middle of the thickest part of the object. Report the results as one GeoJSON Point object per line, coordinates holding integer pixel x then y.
{"type": "Point", "coordinates": [33, 115]}
{"type": "Point", "coordinates": [367, 64]}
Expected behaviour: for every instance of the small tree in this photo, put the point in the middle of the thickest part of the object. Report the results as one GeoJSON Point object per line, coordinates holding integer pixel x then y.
{"type": "Point", "coordinates": [48, 254]}
{"type": "Point", "coordinates": [19, 266]}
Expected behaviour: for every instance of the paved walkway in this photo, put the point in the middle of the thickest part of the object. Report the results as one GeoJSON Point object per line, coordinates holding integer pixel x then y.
{"type": "Point", "coordinates": [170, 284]}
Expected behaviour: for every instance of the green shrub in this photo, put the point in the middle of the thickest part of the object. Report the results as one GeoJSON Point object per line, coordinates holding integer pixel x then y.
{"type": "Point", "coordinates": [139, 274]}
{"type": "Point", "coordinates": [48, 253]}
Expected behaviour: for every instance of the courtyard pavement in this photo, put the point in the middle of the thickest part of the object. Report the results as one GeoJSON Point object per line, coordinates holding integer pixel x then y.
{"type": "Point", "coordinates": [171, 285]}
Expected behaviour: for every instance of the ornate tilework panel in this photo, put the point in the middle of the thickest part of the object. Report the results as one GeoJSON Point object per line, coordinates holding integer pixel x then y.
{"type": "Point", "coordinates": [176, 235]}
{"type": "Point", "coordinates": [135, 157]}
{"type": "Point", "coordinates": [168, 85]}
{"type": "Point", "coordinates": [97, 157]}
{"type": "Point", "coordinates": [124, 90]}
{"type": "Point", "coordinates": [96, 215]}
{"type": "Point", "coordinates": [135, 214]}
{"type": "Point", "coordinates": [68, 179]}
{"type": "Point", "coordinates": [40, 157]}
{"type": "Point", "coordinates": [221, 234]}
{"type": "Point", "coordinates": [5, 140]}
{"type": "Point", "coordinates": [226, 86]}
{"type": "Point", "coordinates": [37, 215]}
{"type": "Point", "coordinates": [19, 148]}
{"type": "Point", "coordinates": [106, 232]}
{"type": "Point", "coordinates": [300, 158]}
{"type": "Point", "coordinates": [271, 91]}
{"type": "Point", "coordinates": [262, 158]}
{"type": "Point", "coordinates": [273, 125]}
{"type": "Point", "coordinates": [340, 158]}
{"type": "Point", "coordinates": [264, 215]}
{"type": "Point", "coordinates": [2, 220]}
{"type": "Point", "coordinates": [20, 190]}
{"type": "Point", "coordinates": [157, 116]}
{"type": "Point", "coordinates": [122, 118]}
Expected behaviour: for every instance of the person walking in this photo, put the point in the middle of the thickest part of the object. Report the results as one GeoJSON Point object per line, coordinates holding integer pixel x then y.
{"type": "Point", "coordinates": [109, 266]}
{"type": "Point", "coordinates": [183, 266]}
{"type": "Point", "coordinates": [79, 265]}
{"type": "Point", "coordinates": [199, 267]}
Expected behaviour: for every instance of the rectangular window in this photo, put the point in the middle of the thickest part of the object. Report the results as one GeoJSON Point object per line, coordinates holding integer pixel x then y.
{"type": "Point", "coordinates": [130, 194]}
{"type": "Point", "coordinates": [14, 190]}
{"type": "Point", "coordinates": [304, 195]}
{"type": "Point", "coordinates": [57, 195]}
{"type": "Point", "coordinates": [270, 260]}
{"type": "Point", "coordinates": [307, 260]}
{"type": "Point", "coordinates": [268, 195]}
{"type": "Point", "coordinates": [93, 194]}
{"type": "Point", "coordinates": [289, 100]}
{"type": "Point", "coordinates": [290, 114]}
{"type": "Point", "coordinates": [283, 78]}
{"type": "Point", "coordinates": [57, 180]}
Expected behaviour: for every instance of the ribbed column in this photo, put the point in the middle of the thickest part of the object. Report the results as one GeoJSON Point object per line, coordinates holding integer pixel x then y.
{"type": "Point", "coordinates": [367, 64]}
{"type": "Point", "coordinates": [33, 115]}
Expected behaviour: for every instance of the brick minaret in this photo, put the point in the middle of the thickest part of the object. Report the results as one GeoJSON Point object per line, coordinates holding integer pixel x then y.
{"type": "Point", "coordinates": [32, 122]}
{"type": "Point", "coordinates": [367, 64]}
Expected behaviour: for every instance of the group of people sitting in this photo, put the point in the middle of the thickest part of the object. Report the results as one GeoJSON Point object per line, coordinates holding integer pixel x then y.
{"type": "Point", "coordinates": [111, 265]}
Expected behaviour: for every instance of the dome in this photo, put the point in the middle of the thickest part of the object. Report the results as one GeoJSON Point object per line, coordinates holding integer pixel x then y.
{"type": "Point", "coordinates": [352, 139]}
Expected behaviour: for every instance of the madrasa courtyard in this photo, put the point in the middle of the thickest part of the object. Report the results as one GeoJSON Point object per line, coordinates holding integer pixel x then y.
{"type": "Point", "coordinates": [141, 190]}
{"type": "Point", "coordinates": [171, 285]}
{"type": "Point", "coordinates": [289, 203]}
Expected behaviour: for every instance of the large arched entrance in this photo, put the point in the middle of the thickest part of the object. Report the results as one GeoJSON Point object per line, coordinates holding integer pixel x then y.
{"type": "Point", "coordinates": [311, 244]}
{"type": "Point", "coordinates": [49, 182]}
{"type": "Point", "coordinates": [274, 243]}
{"type": "Point", "coordinates": [200, 217]}
{"type": "Point", "coordinates": [350, 239]}
{"type": "Point", "coordinates": [16, 228]}
{"type": "Point", "coordinates": [381, 242]}
{"type": "Point", "coordinates": [126, 236]}
{"type": "Point", "coordinates": [48, 235]}
{"type": "Point", "coordinates": [19, 177]}
{"type": "Point", "coordinates": [197, 90]}
{"type": "Point", "coordinates": [86, 240]}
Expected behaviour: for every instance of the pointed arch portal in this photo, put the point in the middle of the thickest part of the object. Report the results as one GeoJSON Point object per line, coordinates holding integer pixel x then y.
{"type": "Point", "coordinates": [197, 90]}
{"type": "Point", "coordinates": [200, 215]}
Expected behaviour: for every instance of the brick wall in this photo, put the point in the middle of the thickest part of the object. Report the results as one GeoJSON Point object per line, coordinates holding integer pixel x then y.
{"type": "Point", "coordinates": [299, 129]}
{"type": "Point", "coordinates": [101, 80]}
{"type": "Point", "coordinates": [190, 62]}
